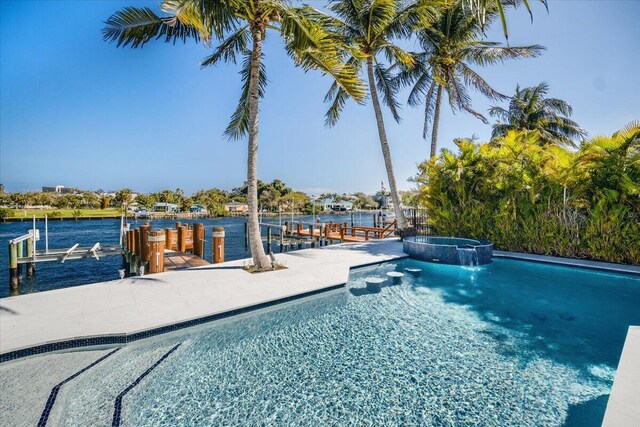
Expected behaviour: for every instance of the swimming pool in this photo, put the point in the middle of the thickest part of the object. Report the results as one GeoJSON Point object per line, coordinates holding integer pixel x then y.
{"type": "Point", "coordinates": [510, 343]}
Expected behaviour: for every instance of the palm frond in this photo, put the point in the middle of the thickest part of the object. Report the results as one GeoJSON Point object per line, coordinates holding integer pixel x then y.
{"type": "Point", "coordinates": [136, 26]}
{"type": "Point", "coordinates": [485, 53]}
{"type": "Point", "coordinates": [339, 96]}
{"type": "Point", "coordinates": [312, 47]}
{"type": "Point", "coordinates": [388, 88]}
{"type": "Point", "coordinates": [419, 89]}
{"type": "Point", "coordinates": [473, 79]}
{"type": "Point", "coordinates": [379, 15]}
{"type": "Point", "coordinates": [239, 125]}
{"type": "Point", "coordinates": [235, 44]}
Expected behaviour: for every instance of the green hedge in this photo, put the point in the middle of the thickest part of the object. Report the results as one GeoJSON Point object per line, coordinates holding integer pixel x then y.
{"type": "Point", "coordinates": [542, 199]}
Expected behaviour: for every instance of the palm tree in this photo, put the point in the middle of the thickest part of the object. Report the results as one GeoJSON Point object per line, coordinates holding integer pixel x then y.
{"type": "Point", "coordinates": [241, 25]}
{"type": "Point", "coordinates": [530, 109]}
{"type": "Point", "coordinates": [370, 27]}
{"type": "Point", "coordinates": [452, 45]}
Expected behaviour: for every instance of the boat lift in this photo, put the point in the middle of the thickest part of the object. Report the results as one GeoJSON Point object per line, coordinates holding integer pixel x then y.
{"type": "Point", "coordinates": [32, 255]}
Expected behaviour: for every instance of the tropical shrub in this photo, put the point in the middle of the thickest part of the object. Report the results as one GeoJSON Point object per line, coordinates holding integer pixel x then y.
{"type": "Point", "coordinates": [527, 196]}
{"type": "Point", "coordinates": [6, 213]}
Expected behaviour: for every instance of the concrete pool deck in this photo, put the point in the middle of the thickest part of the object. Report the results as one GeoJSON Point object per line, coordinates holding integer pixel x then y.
{"type": "Point", "coordinates": [623, 408]}
{"type": "Point", "coordinates": [137, 304]}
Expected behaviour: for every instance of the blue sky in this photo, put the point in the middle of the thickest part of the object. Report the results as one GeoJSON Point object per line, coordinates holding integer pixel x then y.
{"type": "Point", "coordinates": [79, 112]}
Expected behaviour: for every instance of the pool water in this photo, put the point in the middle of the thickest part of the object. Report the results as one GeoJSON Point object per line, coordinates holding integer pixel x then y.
{"type": "Point", "coordinates": [509, 343]}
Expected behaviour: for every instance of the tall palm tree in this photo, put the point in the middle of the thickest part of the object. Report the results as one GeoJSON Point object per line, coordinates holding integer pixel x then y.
{"type": "Point", "coordinates": [530, 109]}
{"type": "Point", "coordinates": [451, 46]}
{"type": "Point", "coordinates": [370, 26]}
{"type": "Point", "coordinates": [241, 27]}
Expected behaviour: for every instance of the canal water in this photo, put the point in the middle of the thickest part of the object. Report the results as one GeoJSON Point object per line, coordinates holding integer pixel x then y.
{"type": "Point", "coordinates": [64, 234]}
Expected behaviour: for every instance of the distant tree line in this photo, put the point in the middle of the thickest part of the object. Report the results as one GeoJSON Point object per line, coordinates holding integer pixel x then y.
{"type": "Point", "coordinates": [274, 196]}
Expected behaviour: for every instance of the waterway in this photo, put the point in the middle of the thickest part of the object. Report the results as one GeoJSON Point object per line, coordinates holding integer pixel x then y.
{"type": "Point", "coordinates": [64, 234]}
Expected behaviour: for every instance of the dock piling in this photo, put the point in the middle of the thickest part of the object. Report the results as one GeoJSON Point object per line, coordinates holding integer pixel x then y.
{"type": "Point", "coordinates": [198, 240]}
{"type": "Point", "coordinates": [13, 266]}
{"type": "Point", "coordinates": [246, 237]}
{"type": "Point", "coordinates": [269, 240]}
{"type": "Point", "coordinates": [218, 244]}
{"type": "Point", "coordinates": [31, 267]}
{"type": "Point", "coordinates": [144, 244]}
{"type": "Point", "coordinates": [156, 251]}
{"type": "Point", "coordinates": [20, 248]}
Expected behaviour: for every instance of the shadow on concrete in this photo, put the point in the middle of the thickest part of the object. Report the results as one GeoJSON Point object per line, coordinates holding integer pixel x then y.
{"type": "Point", "coordinates": [8, 310]}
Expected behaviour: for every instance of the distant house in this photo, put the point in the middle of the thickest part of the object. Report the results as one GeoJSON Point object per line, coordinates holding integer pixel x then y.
{"type": "Point", "coordinates": [165, 207]}
{"type": "Point", "coordinates": [341, 206]}
{"type": "Point", "coordinates": [236, 207]}
{"type": "Point", "coordinates": [59, 189]}
{"type": "Point", "coordinates": [198, 209]}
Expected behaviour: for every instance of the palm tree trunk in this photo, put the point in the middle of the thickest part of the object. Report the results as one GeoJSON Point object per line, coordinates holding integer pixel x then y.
{"type": "Point", "coordinates": [402, 221]}
{"type": "Point", "coordinates": [436, 120]}
{"type": "Point", "coordinates": [260, 259]}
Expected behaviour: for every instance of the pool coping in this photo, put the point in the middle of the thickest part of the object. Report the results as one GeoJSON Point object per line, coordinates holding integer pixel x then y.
{"type": "Point", "coordinates": [571, 262]}
{"type": "Point", "coordinates": [623, 407]}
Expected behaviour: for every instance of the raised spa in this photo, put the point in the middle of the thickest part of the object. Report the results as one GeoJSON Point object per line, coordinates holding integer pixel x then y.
{"type": "Point", "coordinates": [449, 250]}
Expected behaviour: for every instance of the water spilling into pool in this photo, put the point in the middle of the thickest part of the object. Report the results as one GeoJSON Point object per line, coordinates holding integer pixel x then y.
{"type": "Point", "coordinates": [468, 257]}
{"type": "Point", "coordinates": [509, 343]}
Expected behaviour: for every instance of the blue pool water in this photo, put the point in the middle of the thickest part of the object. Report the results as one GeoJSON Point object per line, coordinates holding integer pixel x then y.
{"type": "Point", "coordinates": [510, 343]}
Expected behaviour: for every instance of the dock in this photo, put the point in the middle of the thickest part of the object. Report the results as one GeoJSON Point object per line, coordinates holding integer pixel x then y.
{"type": "Point", "coordinates": [174, 260]}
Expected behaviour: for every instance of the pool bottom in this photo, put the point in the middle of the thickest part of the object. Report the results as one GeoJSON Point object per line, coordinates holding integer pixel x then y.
{"type": "Point", "coordinates": [405, 356]}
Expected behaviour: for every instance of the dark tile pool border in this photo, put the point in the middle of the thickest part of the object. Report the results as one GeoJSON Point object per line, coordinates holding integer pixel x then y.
{"type": "Point", "coordinates": [48, 407]}
{"type": "Point", "coordinates": [120, 339]}
{"type": "Point", "coordinates": [117, 409]}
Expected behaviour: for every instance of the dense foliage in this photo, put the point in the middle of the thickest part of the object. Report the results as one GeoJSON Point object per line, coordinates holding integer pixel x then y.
{"type": "Point", "coordinates": [526, 195]}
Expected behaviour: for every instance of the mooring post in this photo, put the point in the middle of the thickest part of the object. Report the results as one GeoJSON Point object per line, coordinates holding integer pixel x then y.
{"type": "Point", "coordinates": [182, 238]}
{"type": "Point", "coordinates": [218, 244]}
{"type": "Point", "coordinates": [281, 239]}
{"type": "Point", "coordinates": [13, 266]}
{"type": "Point", "coordinates": [269, 240]}
{"type": "Point", "coordinates": [144, 244]}
{"type": "Point", "coordinates": [313, 243]}
{"type": "Point", "coordinates": [20, 255]}
{"type": "Point", "coordinates": [31, 266]}
{"type": "Point", "coordinates": [198, 239]}
{"type": "Point", "coordinates": [172, 239]}
{"type": "Point", "coordinates": [131, 250]}
{"type": "Point", "coordinates": [156, 251]}
{"type": "Point", "coordinates": [246, 237]}
{"type": "Point", "coordinates": [136, 250]}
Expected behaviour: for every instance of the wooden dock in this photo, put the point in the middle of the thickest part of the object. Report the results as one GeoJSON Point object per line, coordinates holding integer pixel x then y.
{"type": "Point", "coordinates": [174, 260]}
{"type": "Point", "coordinates": [341, 232]}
